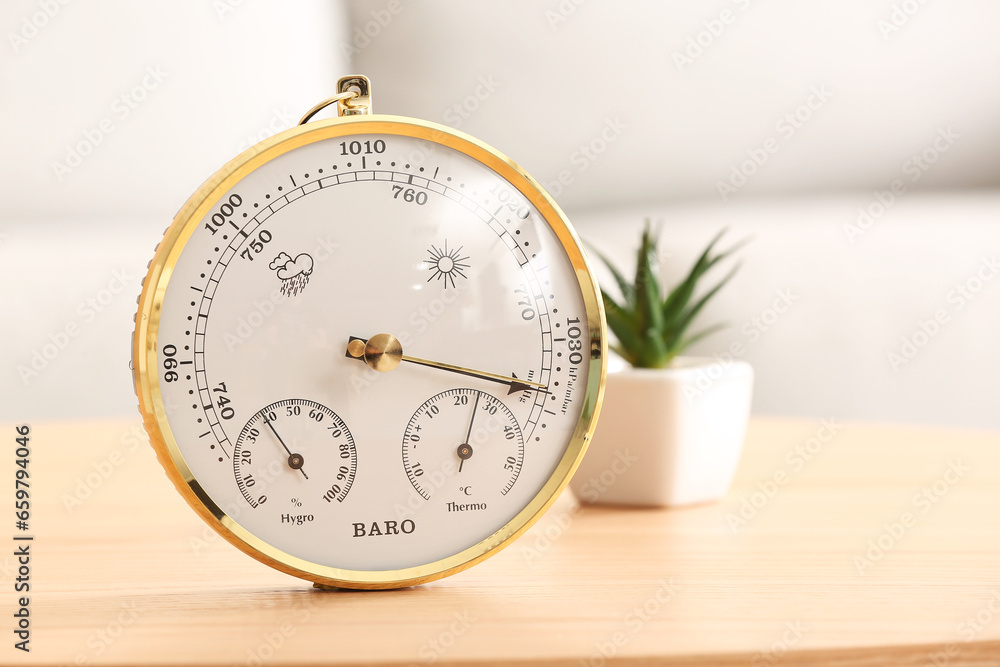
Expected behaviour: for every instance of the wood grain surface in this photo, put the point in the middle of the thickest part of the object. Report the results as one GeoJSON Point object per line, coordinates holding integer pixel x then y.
{"type": "Point", "coordinates": [846, 544]}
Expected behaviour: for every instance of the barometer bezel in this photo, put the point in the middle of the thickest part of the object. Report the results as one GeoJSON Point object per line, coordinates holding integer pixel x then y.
{"type": "Point", "coordinates": [146, 359]}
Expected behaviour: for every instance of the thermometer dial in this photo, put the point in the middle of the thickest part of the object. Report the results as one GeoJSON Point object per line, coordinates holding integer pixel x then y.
{"type": "Point", "coordinates": [465, 443]}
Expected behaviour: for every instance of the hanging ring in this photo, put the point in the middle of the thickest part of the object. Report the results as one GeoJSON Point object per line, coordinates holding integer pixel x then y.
{"type": "Point", "coordinates": [353, 99]}
{"type": "Point", "coordinates": [344, 97]}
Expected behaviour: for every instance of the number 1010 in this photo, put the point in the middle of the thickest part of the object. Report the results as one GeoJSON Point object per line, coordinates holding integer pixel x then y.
{"type": "Point", "coordinates": [362, 147]}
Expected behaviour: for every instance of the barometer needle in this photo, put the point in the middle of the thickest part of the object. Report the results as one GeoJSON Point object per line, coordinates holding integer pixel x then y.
{"type": "Point", "coordinates": [295, 461]}
{"type": "Point", "coordinates": [383, 353]}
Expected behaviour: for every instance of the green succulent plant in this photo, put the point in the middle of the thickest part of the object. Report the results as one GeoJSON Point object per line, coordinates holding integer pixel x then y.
{"type": "Point", "coordinates": [652, 328]}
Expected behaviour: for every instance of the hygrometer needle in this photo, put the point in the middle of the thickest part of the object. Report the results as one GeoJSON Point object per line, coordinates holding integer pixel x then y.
{"type": "Point", "coordinates": [295, 461]}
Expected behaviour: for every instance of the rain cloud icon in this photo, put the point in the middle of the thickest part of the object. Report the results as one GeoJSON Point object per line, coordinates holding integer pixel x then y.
{"type": "Point", "coordinates": [293, 273]}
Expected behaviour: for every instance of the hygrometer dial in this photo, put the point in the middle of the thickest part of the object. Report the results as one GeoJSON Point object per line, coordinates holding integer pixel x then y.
{"type": "Point", "coordinates": [280, 446]}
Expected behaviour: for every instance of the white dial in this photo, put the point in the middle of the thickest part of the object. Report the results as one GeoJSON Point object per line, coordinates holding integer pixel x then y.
{"type": "Point", "coordinates": [342, 294]}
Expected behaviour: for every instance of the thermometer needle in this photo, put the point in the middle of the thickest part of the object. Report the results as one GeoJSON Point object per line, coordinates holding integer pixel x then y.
{"type": "Point", "coordinates": [384, 352]}
{"type": "Point", "coordinates": [465, 449]}
{"type": "Point", "coordinates": [295, 461]}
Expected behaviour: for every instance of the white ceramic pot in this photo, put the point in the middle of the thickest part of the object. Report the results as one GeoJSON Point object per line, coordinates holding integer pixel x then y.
{"type": "Point", "coordinates": [668, 437]}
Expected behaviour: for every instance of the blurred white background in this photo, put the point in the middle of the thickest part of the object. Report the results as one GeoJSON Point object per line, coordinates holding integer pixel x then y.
{"type": "Point", "coordinates": [856, 143]}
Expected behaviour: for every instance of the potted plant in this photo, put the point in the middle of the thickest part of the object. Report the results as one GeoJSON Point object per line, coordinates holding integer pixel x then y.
{"type": "Point", "coordinates": [671, 427]}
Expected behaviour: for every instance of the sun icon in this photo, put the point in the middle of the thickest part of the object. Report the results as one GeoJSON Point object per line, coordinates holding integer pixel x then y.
{"type": "Point", "coordinates": [446, 264]}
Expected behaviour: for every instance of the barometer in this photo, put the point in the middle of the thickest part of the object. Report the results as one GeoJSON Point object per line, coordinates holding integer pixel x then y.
{"type": "Point", "coordinates": [369, 350]}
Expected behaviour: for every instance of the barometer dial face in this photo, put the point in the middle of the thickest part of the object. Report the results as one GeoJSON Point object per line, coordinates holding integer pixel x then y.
{"type": "Point", "coordinates": [370, 351]}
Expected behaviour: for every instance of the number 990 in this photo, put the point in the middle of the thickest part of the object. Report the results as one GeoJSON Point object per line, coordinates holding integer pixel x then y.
{"type": "Point", "coordinates": [169, 363]}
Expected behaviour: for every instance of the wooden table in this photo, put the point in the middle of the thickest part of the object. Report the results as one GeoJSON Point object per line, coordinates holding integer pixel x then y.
{"type": "Point", "coordinates": [847, 544]}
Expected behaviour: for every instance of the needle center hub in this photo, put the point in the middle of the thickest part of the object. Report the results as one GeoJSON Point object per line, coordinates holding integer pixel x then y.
{"type": "Point", "coordinates": [383, 352]}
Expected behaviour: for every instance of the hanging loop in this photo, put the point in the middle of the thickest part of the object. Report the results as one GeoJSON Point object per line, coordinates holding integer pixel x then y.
{"type": "Point", "coordinates": [353, 98]}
